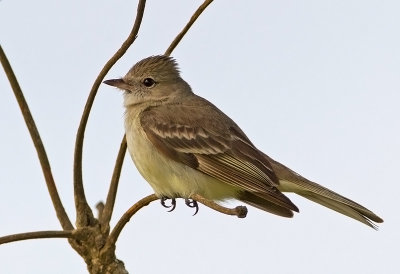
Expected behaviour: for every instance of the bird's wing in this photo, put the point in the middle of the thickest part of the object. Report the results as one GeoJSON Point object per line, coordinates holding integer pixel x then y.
{"type": "Point", "coordinates": [199, 135]}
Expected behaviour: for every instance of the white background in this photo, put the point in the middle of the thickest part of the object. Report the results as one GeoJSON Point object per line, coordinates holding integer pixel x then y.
{"type": "Point", "coordinates": [314, 84]}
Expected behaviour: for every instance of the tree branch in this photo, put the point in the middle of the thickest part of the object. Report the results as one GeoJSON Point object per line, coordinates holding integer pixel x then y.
{"type": "Point", "coordinates": [112, 192]}
{"type": "Point", "coordinates": [194, 17]}
{"type": "Point", "coordinates": [84, 213]}
{"type": "Point", "coordinates": [37, 141]}
{"type": "Point", "coordinates": [112, 239]}
{"type": "Point", "coordinates": [36, 235]}
{"type": "Point", "coordinates": [239, 211]}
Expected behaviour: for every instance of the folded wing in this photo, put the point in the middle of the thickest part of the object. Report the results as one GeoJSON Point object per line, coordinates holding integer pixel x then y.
{"type": "Point", "coordinates": [208, 141]}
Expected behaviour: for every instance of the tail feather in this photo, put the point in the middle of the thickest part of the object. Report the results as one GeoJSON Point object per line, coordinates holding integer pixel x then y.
{"type": "Point", "coordinates": [341, 208]}
{"type": "Point", "coordinates": [290, 181]}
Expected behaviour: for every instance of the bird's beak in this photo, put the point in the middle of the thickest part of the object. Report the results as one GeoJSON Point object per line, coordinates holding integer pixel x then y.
{"type": "Point", "coordinates": [118, 83]}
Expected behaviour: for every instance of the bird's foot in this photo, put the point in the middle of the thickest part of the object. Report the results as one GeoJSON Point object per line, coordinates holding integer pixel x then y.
{"type": "Point", "coordinates": [172, 206]}
{"type": "Point", "coordinates": [193, 204]}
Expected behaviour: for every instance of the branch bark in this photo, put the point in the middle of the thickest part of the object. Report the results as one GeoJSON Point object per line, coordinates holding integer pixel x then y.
{"type": "Point", "coordinates": [36, 235]}
{"type": "Point", "coordinates": [112, 191]}
{"type": "Point", "coordinates": [112, 239]}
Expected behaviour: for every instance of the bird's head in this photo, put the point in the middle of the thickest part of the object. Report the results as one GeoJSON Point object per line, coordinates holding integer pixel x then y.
{"type": "Point", "coordinates": [152, 80]}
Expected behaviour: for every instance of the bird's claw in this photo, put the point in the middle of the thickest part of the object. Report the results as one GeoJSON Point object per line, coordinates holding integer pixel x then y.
{"type": "Point", "coordinates": [189, 202]}
{"type": "Point", "coordinates": [172, 206]}
{"type": "Point", "coordinates": [193, 204]}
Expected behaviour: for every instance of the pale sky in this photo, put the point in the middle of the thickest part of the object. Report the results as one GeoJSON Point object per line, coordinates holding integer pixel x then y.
{"type": "Point", "coordinates": [314, 84]}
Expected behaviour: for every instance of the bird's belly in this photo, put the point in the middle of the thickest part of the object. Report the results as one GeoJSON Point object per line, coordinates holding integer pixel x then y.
{"type": "Point", "coordinates": [169, 178]}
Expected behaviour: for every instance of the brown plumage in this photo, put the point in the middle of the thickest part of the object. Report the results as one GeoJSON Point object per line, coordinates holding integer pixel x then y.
{"type": "Point", "coordinates": [182, 144]}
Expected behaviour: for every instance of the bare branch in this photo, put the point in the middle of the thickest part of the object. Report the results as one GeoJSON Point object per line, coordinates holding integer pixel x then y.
{"type": "Point", "coordinates": [37, 141]}
{"type": "Point", "coordinates": [35, 235]}
{"type": "Point", "coordinates": [239, 211]}
{"type": "Point", "coordinates": [84, 213]}
{"type": "Point", "coordinates": [112, 239]}
{"type": "Point", "coordinates": [194, 17]}
{"type": "Point", "coordinates": [112, 192]}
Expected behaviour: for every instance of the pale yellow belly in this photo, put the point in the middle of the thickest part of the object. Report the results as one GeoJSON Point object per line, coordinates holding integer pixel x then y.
{"type": "Point", "coordinates": [167, 177]}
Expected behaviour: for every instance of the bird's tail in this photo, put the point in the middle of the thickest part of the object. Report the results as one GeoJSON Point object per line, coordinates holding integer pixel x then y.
{"type": "Point", "coordinates": [290, 181]}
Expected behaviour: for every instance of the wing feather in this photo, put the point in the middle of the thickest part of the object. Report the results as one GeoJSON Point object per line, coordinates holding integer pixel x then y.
{"type": "Point", "coordinates": [213, 144]}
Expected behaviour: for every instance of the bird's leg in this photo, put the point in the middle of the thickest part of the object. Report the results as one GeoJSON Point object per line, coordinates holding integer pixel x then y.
{"type": "Point", "coordinates": [193, 204]}
{"type": "Point", "coordinates": [172, 206]}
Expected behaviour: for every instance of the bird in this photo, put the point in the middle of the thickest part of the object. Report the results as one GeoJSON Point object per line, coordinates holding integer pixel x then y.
{"type": "Point", "coordinates": [182, 145]}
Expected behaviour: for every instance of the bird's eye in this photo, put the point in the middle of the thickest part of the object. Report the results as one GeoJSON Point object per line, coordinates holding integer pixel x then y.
{"type": "Point", "coordinates": [148, 82]}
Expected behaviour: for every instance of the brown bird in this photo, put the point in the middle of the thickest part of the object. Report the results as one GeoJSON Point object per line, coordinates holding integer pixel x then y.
{"type": "Point", "coordinates": [182, 145]}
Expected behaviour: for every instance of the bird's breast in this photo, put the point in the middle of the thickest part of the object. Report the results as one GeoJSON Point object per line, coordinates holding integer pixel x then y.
{"type": "Point", "coordinates": [167, 177]}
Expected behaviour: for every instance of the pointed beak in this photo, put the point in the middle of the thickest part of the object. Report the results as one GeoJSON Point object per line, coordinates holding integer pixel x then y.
{"type": "Point", "coordinates": [118, 83]}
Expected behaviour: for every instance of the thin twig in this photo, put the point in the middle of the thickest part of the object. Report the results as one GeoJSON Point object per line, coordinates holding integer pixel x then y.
{"type": "Point", "coordinates": [112, 239]}
{"type": "Point", "coordinates": [194, 17]}
{"type": "Point", "coordinates": [37, 141]}
{"type": "Point", "coordinates": [35, 235]}
{"type": "Point", "coordinates": [239, 211]}
{"type": "Point", "coordinates": [112, 192]}
{"type": "Point", "coordinates": [84, 214]}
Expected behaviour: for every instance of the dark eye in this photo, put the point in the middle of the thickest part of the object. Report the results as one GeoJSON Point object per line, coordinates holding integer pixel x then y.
{"type": "Point", "coordinates": [148, 82]}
